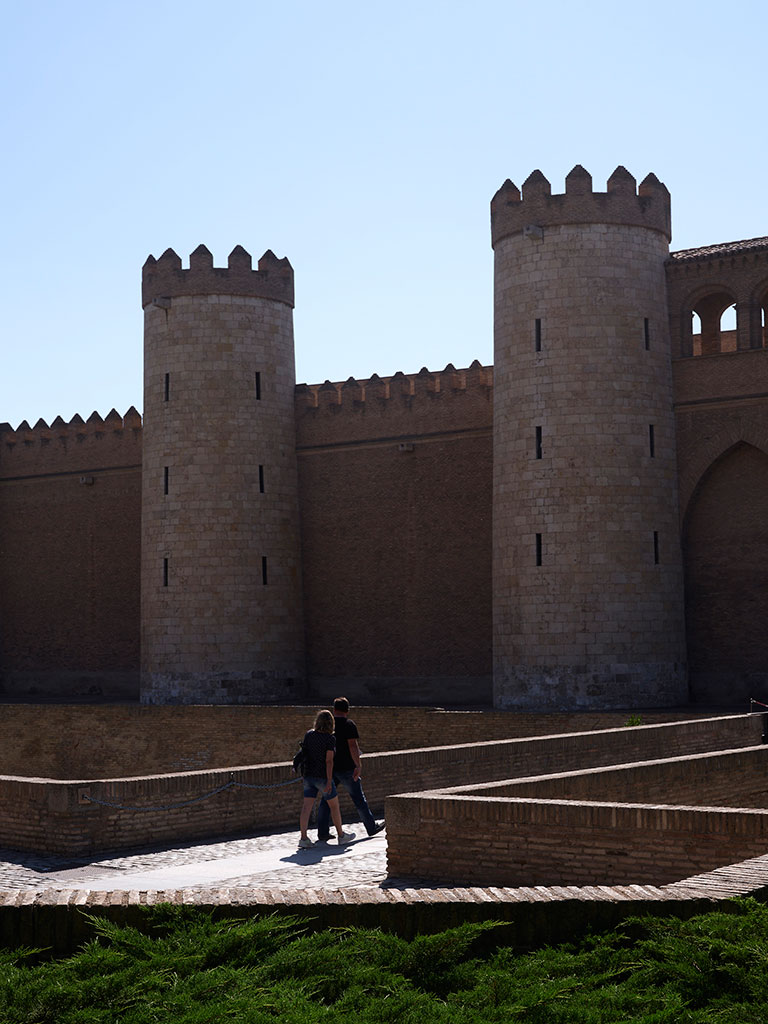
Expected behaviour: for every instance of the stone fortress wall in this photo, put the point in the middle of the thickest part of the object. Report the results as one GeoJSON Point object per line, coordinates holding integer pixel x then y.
{"type": "Point", "coordinates": [70, 537]}
{"type": "Point", "coordinates": [395, 485]}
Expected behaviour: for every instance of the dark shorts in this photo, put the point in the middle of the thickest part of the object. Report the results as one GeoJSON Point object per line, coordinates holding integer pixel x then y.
{"type": "Point", "coordinates": [313, 786]}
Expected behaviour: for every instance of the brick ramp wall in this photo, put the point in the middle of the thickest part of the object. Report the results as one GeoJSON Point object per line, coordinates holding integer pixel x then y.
{"type": "Point", "coordinates": [597, 826]}
{"type": "Point", "coordinates": [106, 741]}
{"type": "Point", "coordinates": [730, 779]}
{"type": "Point", "coordinates": [62, 817]}
{"type": "Point", "coordinates": [511, 841]}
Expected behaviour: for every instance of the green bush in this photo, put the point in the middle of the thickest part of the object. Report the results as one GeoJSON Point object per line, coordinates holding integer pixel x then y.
{"type": "Point", "coordinates": [182, 966]}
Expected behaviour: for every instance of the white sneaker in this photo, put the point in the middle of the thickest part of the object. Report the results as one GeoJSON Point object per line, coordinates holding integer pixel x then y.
{"type": "Point", "coordinates": [346, 837]}
{"type": "Point", "coordinates": [305, 844]}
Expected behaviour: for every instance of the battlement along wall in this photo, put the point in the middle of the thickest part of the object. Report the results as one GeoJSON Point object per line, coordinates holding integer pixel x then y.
{"type": "Point", "coordinates": [76, 446]}
{"type": "Point", "coordinates": [165, 277]}
{"type": "Point", "coordinates": [623, 203]}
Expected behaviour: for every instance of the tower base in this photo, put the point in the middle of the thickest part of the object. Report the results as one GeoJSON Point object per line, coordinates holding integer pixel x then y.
{"type": "Point", "coordinates": [584, 688]}
{"type": "Point", "coordinates": [257, 687]}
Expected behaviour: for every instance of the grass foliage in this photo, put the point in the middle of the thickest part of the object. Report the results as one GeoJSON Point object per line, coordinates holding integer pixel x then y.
{"type": "Point", "coordinates": [184, 967]}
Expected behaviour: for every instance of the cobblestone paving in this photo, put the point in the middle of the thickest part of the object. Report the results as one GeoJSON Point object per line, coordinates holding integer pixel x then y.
{"type": "Point", "coordinates": [263, 861]}
{"type": "Point", "coordinates": [270, 868]}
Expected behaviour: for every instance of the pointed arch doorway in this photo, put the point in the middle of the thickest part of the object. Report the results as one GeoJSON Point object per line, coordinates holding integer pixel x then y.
{"type": "Point", "coordinates": [725, 553]}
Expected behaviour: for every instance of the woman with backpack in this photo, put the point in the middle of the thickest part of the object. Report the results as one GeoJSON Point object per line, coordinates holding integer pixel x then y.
{"type": "Point", "coordinates": [319, 745]}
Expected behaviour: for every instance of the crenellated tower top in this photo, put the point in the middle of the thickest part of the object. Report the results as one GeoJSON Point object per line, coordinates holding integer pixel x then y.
{"type": "Point", "coordinates": [647, 206]}
{"type": "Point", "coordinates": [164, 278]}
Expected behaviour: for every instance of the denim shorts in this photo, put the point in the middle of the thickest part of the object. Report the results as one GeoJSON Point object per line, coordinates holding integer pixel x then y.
{"type": "Point", "coordinates": [313, 786]}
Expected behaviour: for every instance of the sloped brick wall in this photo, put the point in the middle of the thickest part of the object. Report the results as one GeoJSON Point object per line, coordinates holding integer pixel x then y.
{"type": "Point", "coordinates": [652, 822]}
{"type": "Point", "coordinates": [108, 741]}
{"type": "Point", "coordinates": [485, 841]}
{"type": "Point", "coordinates": [74, 817]}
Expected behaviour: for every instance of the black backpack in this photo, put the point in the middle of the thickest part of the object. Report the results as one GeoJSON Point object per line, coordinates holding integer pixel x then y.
{"type": "Point", "coordinates": [299, 760]}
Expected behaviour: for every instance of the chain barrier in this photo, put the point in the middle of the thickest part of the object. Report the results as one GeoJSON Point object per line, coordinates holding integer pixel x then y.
{"type": "Point", "coordinates": [232, 784]}
{"type": "Point", "coordinates": [271, 785]}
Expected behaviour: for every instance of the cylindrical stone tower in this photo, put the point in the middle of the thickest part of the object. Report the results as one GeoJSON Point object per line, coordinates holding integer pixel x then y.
{"type": "Point", "coordinates": [221, 616]}
{"type": "Point", "coordinates": [587, 591]}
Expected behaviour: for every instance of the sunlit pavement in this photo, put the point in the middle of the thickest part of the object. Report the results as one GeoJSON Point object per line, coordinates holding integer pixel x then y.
{"type": "Point", "coordinates": [263, 861]}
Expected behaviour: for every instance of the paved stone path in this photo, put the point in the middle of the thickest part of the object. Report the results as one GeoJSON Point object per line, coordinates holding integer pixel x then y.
{"type": "Point", "coordinates": [270, 869]}
{"type": "Point", "coordinates": [263, 861]}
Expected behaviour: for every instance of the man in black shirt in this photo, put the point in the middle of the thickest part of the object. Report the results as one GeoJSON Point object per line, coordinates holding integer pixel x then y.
{"type": "Point", "coordinates": [346, 772]}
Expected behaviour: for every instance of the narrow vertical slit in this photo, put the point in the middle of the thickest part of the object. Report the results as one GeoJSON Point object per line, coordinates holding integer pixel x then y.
{"type": "Point", "coordinates": [538, 549]}
{"type": "Point", "coordinates": [261, 479]}
{"type": "Point", "coordinates": [655, 547]}
{"type": "Point", "coordinates": [647, 332]}
{"type": "Point", "coordinates": [537, 335]}
{"type": "Point", "coordinates": [258, 385]}
{"type": "Point", "coordinates": [167, 387]}
{"type": "Point", "coordinates": [165, 479]}
{"type": "Point", "coordinates": [165, 572]}
{"type": "Point", "coordinates": [651, 441]}
{"type": "Point", "coordinates": [264, 569]}
{"type": "Point", "coordinates": [538, 443]}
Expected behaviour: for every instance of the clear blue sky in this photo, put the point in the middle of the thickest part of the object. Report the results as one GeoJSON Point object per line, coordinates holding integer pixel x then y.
{"type": "Point", "coordinates": [362, 141]}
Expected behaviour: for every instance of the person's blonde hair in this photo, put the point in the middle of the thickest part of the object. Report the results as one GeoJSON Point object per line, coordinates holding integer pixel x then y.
{"type": "Point", "coordinates": [324, 722]}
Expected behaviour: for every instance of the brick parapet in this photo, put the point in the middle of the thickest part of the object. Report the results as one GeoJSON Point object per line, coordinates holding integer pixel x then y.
{"type": "Point", "coordinates": [424, 404]}
{"type": "Point", "coordinates": [723, 377]}
{"type": "Point", "coordinates": [622, 203]}
{"type": "Point", "coordinates": [71, 447]}
{"type": "Point", "coordinates": [164, 278]}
